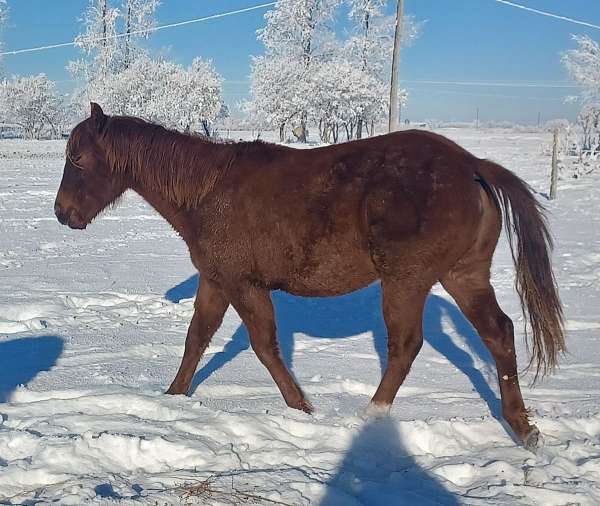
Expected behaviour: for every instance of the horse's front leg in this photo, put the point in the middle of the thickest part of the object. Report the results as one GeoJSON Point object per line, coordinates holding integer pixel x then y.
{"type": "Point", "coordinates": [209, 307]}
{"type": "Point", "coordinates": [256, 311]}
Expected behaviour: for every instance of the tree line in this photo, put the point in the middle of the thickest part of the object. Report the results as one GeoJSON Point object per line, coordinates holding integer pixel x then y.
{"type": "Point", "coordinates": [325, 69]}
{"type": "Point", "coordinates": [307, 75]}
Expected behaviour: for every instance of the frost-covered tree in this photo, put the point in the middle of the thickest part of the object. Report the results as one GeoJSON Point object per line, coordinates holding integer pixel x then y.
{"type": "Point", "coordinates": [299, 28]}
{"type": "Point", "coordinates": [334, 95]}
{"type": "Point", "coordinates": [279, 92]}
{"type": "Point", "coordinates": [583, 63]}
{"type": "Point", "coordinates": [191, 98]}
{"type": "Point", "coordinates": [342, 92]}
{"type": "Point", "coordinates": [121, 76]}
{"type": "Point", "coordinates": [306, 73]}
{"type": "Point", "coordinates": [139, 19]}
{"type": "Point", "coordinates": [187, 99]}
{"type": "Point", "coordinates": [33, 104]}
{"type": "Point", "coordinates": [298, 36]}
{"type": "Point", "coordinates": [109, 41]}
{"type": "Point", "coordinates": [98, 42]}
{"type": "Point", "coordinates": [589, 122]}
{"type": "Point", "coordinates": [370, 47]}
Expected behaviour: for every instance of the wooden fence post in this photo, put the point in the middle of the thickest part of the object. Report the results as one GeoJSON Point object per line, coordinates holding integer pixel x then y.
{"type": "Point", "coordinates": [554, 173]}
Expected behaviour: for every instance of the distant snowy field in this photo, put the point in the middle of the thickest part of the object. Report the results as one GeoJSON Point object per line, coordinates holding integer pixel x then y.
{"type": "Point", "coordinates": [92, 326]}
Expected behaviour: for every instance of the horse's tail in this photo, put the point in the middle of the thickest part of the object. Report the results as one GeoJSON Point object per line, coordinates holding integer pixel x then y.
{"type": "Point", "coordinates": [524, 218]}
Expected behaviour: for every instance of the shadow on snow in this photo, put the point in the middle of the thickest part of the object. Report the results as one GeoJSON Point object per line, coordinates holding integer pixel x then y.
{"type": "Point", "coordinates": [22, 359]}
{"type": "Point", "coordinates": [378, 471]}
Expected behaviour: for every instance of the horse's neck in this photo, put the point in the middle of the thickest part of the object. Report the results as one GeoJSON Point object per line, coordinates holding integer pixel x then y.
{"type": "Point", "coordinates": [173, 181]}
{"type": "Point", "coordinates": [177, 217]}
{"type": "Point", "coordinates": [178, 169]}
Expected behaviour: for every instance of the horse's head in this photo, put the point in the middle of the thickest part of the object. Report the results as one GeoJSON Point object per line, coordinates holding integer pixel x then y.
{"type": "Point", "coordinates": [88, 185]}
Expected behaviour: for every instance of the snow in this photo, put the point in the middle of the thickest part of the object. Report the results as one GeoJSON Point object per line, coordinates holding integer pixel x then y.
{"type": "Point", "coordinates": [92, 326]}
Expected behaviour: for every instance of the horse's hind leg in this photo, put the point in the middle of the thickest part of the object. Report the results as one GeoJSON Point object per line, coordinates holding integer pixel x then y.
{"type": "Point", "coordinates": [469, 284]}
{"type": "Point", "coordinates": [403, 315]}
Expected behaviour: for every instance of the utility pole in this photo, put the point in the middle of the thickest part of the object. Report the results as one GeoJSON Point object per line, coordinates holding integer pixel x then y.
{"type": "Point", "coordinates": [393, 118]}
{"type": "Point", "coordinates": [554, 173]}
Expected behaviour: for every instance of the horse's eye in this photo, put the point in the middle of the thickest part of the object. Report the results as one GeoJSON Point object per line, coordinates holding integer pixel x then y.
{"type": "Point", "coordinates": [75, 161]}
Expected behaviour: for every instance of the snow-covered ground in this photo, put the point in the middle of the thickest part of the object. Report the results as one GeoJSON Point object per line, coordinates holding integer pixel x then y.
{"type": "Point", "coordinates": [92, 326]}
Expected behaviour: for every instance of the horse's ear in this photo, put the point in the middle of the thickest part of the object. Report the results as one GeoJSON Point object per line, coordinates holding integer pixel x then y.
{"type": "Point", "coordinates": [97, 116]}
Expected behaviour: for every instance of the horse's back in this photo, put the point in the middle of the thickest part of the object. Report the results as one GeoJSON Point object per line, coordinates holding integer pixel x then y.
{"type": "Point", "coordinates": [333, 219]}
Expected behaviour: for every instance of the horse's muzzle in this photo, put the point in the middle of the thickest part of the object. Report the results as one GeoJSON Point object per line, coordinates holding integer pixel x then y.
{"type": "Point", "coordinates": [61, 215]}
{"type": "Point", "coordinates": [68, 218]}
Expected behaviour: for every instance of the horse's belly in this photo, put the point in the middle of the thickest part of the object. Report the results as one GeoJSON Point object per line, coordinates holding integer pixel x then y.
{"type": "Point", "coordinates": [331, 271]}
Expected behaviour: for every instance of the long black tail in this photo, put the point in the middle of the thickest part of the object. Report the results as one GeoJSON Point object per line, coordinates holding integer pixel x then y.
{"type": "Point", "coordinates": [525, 221]}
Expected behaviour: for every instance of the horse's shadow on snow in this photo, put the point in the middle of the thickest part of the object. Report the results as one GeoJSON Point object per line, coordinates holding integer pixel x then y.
{"type": "Point", "coordinates": [356, 313]}
{"type": "Point", "coordinates": [377, 470]}
{"type": "Point", "coordinates": [22, 359]}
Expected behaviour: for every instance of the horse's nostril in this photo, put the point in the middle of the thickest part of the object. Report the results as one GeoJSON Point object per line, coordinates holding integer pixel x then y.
{"type": "Point", "coordinates": [60, 215]}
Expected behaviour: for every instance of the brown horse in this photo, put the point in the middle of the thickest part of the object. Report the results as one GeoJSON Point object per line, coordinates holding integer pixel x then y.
{"type": "Point", "coordinates": [409, 208]}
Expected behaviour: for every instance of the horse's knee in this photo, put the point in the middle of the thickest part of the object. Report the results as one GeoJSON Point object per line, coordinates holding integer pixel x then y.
{"type": "Point", "coordinates": [405, 350]}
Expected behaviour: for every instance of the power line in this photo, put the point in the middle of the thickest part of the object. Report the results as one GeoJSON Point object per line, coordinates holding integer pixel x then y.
{"type": "Point", "coordinates": [501, 84]}
{"type": "Point", "coordinates": [137, 32]}
{"type": "Point", "coordinates": [490, 84]}
{"type": "Point", "coordinates": [548, 14]}
{"type": "Point", "coordinates": [420, 91]}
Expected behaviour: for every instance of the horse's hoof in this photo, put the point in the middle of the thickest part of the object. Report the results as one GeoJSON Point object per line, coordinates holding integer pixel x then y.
{"type": "Point", "coordinates": [306, 406]}
{"type": "Point", "coordinates": [175, 391]}
{"type": "Point", "coordinates": [533, 441]}
{"type": "Point", "coordinates": [377, 410]}
{"type": "Point", "coordinates": [302, 405]}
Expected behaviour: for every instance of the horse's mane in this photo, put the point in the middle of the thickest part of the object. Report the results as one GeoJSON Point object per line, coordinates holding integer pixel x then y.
{"type": "Point", "coordinates": [184, 168]}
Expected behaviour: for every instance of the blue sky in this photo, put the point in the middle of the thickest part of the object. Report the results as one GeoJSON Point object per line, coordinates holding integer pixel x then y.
{"type": "Point", "coordinates": [462, 41]}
